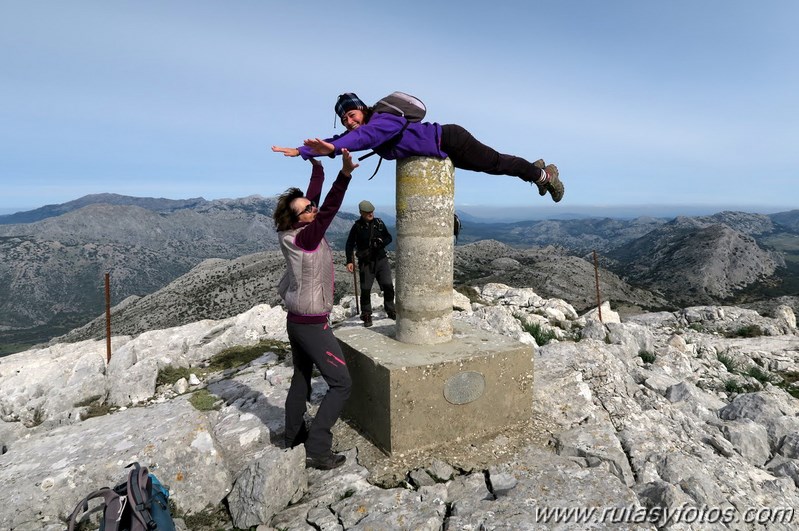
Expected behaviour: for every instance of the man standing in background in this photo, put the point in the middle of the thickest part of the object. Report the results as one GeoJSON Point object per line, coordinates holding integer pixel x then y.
{"type": "Point", "coordinates": [368, 239]}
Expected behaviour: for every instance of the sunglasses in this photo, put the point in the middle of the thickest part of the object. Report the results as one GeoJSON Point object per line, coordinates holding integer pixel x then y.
{"type": "Point", "coordinates": [308, 208]}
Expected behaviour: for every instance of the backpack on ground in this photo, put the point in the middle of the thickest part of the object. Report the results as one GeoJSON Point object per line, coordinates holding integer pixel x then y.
{"type": "Point", "coordinates": [138, 504]}
{"type": "Point", "coordinates": [399, 104]}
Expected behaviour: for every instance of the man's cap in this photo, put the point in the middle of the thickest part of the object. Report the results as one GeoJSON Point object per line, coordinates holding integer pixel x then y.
{"type": "Point", "coordinates": [366, 206]}
{"type": "Point", "coordinates": [347, 102]}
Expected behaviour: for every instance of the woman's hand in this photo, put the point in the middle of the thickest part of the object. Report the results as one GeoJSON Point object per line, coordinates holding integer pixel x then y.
{"type": "Point", "coordinates": [348, 164]}
{"type": "Point", "coordinates": [287, 152]}
{"type": "Point", "coordinates": [319, 146]}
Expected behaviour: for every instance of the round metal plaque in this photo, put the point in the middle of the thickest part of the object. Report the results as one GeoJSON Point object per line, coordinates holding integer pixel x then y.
{"type": "Point", "coordinates": [464, 387]}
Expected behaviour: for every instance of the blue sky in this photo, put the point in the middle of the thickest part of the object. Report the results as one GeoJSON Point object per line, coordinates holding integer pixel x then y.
{"type": "Point", "coordinates": [678, 102]}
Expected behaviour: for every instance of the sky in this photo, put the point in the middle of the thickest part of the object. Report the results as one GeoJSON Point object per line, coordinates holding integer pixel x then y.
{"type": "Point", "coordinates": [638, 102]}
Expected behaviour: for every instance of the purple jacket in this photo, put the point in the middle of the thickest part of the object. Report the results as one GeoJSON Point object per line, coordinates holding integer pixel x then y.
{"type": "Point", "coordinates": [419, 139]}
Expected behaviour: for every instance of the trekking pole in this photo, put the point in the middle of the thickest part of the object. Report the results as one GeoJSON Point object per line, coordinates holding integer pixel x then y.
{"type": "Point", "coordinates": [355, 285]}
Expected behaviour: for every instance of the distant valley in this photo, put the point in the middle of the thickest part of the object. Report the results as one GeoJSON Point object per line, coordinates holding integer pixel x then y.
{"type": "Point", "coordinates": [174, 262]}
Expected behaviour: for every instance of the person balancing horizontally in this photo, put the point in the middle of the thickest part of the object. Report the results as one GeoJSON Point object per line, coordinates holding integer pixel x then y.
{"type": "Point", "coordinates": [393, 137]}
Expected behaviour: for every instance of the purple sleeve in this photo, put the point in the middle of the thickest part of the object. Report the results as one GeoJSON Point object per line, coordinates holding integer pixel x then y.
{"type": "Point", "coordinates": [381, 127]}
{"type": "Point", "coordinates": [310, 237]}
{"type": "Point", "coordinates": [314, 192]}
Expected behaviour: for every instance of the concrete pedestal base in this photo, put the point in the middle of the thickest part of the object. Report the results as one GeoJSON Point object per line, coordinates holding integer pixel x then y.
{"type": "Point", "coordinates": [408, 397]}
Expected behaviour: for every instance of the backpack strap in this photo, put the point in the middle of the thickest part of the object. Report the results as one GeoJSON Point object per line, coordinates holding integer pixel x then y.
{"type": "Point", "coordinates": [376, 169]}
{"type": "Point", "coordinates": [393, 141]}
{"type": "Point", "coordinates": [112, 501]}
{"type": "Point", "coordinates": [139, 477]}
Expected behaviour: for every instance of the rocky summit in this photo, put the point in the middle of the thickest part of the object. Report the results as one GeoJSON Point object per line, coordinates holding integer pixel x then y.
{"type": "Point", "coordinates": [678, 420]}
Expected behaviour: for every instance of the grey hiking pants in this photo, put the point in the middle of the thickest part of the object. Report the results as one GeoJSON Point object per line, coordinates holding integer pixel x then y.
{"type": "Point", "coordinates": [314, 344]}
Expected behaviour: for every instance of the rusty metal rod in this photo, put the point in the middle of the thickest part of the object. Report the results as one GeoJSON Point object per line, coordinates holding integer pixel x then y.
{"type": "Point", "coordinates": [596, 280]}
{"type": "Point", "coordinates": [108, 316]}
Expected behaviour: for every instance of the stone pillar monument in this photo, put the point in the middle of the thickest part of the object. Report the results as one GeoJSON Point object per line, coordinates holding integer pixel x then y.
{"type": "Point", "coordinates": [424, 257]}
{"type": "Point", "coordinates": [426, 378]}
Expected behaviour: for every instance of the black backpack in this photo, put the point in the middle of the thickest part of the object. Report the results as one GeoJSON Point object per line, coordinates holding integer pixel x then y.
{"type": "Point", "coordinates": [399, 104]}
{"type": "Point", "coordinates": [137, 504]}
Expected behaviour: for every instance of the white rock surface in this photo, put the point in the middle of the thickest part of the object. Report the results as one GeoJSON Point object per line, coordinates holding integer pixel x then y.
{"type": "Point", "coordinates": [683, 428]}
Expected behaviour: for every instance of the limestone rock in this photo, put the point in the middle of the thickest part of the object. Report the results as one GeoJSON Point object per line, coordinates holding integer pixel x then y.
{"type": "Point", "coordinates": [607, 429]}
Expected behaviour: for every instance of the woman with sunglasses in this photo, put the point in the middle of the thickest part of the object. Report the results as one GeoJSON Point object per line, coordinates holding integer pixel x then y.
{"type": "Point", "coordinates": [307, 291]}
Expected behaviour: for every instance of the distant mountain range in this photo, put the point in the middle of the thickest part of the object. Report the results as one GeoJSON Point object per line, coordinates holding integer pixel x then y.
{"type": "Point", "coordinates": [53, 260]}
{"type": "Point", "coordinates": [149, 203]}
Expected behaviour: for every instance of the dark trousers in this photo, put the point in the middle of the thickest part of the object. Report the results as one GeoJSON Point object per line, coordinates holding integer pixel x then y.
{"type": "Point", "coordinates": [467, 153]}
{"type": "Point", "coordinates": [314, 344]}
{"type": "Point", "coordinates": [380, 270]}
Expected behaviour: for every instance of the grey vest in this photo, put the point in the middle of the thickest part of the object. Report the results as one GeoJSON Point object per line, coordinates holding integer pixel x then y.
{"type": "Point", "coordinates": [307, 285]}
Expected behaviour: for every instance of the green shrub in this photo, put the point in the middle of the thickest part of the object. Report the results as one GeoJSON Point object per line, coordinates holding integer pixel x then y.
{"type": "Point", "coordinates": [752, 330]}
{"type": "Point", "coordinates": [216, 517]}
{"type": "Point", "coordinates": [648, 357]}
{"type": "Point", "coordinates": [732, 386]}
{"type": "Point", "coordinates": [96, 407]}
{"type": "Point", "coordinates": [730, 363]}
{"type": "Point", "coordinates": [793, 391]}
{"type": "Point", "coordinates": [169, 375]}
{"type": "Point", "coordinates": [758, 374]}
{"type": "Point", "coordinates": [202, 400]}
{"type": "Point", "coordinates": [541, 336]}
{"type": "Point", "coordinates": [242, 355]}
{"type": "Point", "coordinates": [785, 381]}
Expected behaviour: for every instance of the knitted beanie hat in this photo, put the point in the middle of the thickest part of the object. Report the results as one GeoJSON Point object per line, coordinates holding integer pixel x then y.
{"type": "Point", "coordinates": [347, 102]}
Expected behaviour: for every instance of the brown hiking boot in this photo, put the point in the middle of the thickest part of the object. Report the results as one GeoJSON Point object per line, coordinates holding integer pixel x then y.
{"type": "Point", "coordinates": [542, 188]}
{"type": "Point", "coordinates": [367, 319]}
{"type": "Point", "coordinates": [553, 185]}
{"type": "Point", "coordinates": [325, 462]}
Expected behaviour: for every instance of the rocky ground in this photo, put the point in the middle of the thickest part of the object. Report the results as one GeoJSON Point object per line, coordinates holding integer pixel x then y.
{"type": "Point", "coordinates": [646, 419]}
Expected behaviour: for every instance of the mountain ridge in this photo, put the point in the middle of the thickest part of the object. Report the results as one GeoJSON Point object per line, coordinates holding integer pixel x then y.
{"type": "Point", "coordinates": [51, 270]}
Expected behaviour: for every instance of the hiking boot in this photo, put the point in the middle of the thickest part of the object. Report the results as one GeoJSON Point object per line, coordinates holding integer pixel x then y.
{"type": "Point", "coordinates": [299, 439]}
{"type": "Point", "coordinates": [325, 462]}
{"type": "Point", "coordinates": [391, 314]}
{"type": "Point", "coordinates": [553, 184]}
{"type": "Point", "coordinates": [542, 187]}
{"type": "Point", "coordinates": [367, 319]}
